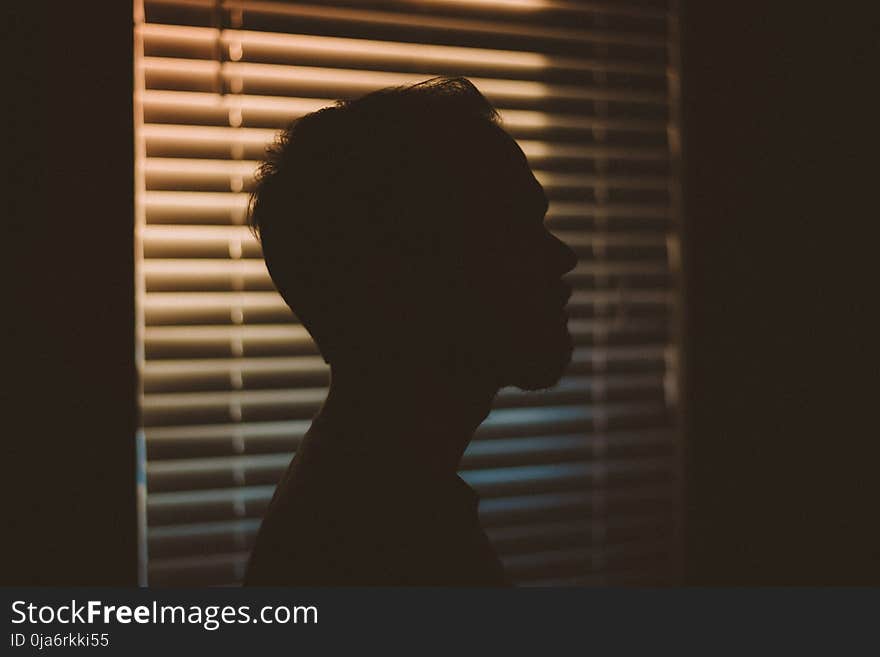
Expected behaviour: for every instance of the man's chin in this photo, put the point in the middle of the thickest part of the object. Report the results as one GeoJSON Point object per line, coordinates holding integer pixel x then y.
{"type": "Point", "coordinates": [542, 371]}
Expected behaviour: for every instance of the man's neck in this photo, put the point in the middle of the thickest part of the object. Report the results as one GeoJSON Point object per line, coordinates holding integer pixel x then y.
{"type": "Point", "coordinates": [420, 418]}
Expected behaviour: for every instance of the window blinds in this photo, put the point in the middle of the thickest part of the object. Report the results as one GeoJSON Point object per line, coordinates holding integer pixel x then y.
{"type": "Point", "coordinates": [580, 483]}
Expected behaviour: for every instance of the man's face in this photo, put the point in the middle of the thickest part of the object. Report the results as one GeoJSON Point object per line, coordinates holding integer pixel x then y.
{"type": "Point", "coordinates": [514, 268]}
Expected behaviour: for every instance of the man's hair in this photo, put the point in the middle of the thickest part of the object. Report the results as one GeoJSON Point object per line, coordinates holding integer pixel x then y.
{"type": "Point", "coordinates": [353, 201]}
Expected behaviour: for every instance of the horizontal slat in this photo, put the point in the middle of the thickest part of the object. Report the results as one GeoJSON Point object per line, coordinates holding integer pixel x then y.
{"type": "Point", "coordinates": [251, 469]}
{"type": "Point", "coordinates": [167, 309]}
{"type": "Point", "coordinates": [170, 140]}
{"type": "Point", "coordinates": [208, 134]}
{"type": "Point", "coordinates": [613, 504]}
{"type": "Point", "coordinates": [183, 468]}
{"type": "Point", "coordinates": [568, 561]}
{"type": "Point", "coordinates": [160, 301]}
{"type": "Point", "coordinates": [202, 74]}
{"type": "Point", "coordinates": [533, 537]}
{"type": "Point", "coordinates": [211, 236]}
{"type": "Point", "coordinates": [205, 242]}
{"type": "Point", "coordinates": [186, 375]}
{"type": "Point", "coordinates": [243, 110]}
{"type": "Point", "coordinates": [168, 177]}
{"type": "Point", "coordinates": [256, 269]}
{"type": "Point", "coordinates": [162, 409]}
{"type": "Point", "coordinates": [422, 21]}
{"type": "Point", "coordinates": [172, 320]}
{"type": "Point", "coordinates": [628, 507]}
{"type": "Point", "coordinates": [528, 9]}
{"type": "Point", "coordinates": [235, 439]}
{"type": "Point", "coordinates": [230, 360]}
{"type": "Point", "coordinates": [231, 435]}
{"type": "Point", "coordinates": [585, 224]}
{"type": "Point", "coordinates": [288, 432]}
{"type": "Point", "coordinates": [187, 506]}
{"type": "Point", "coordinates": [233, 470]}
{"type": "Point", "coordinates": [611, 342]}
{"type": "Point", "coordinates": [227, 275]}
{"type": "Point", "coordinates": [226, 367]}
{"type": "Point", "coordinates": [536, 9]}
{"type": "Point", "coordinates": [235, 204]}
{"type": "Point", "coordinates": [201, 173]}
{"type": "Point", "coordinates": [200, 170]}
{"type": "Point", "coordinates": [223, 236]}
{"type": "Point", "coordinates": [167, 40]}
{"type": "Point", "coordinates": [560, 476]}
{"type": "Point", "coordinates": [570, 387]}
{"type": "Point", "coordinates": [303, 404]}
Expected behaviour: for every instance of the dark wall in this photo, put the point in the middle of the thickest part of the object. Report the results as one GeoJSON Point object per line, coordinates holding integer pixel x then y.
{"type": "Point", "coordinates": [781, 443]}
{"type": "Point", "coordinates": [68, 438]}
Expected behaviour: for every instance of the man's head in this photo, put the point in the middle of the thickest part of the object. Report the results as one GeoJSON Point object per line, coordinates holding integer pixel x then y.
{"type": "Point", "coordinates": [408, 224]}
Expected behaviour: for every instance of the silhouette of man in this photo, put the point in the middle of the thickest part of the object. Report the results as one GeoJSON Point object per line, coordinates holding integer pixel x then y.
{"type": "Point", "coordinates": [405, 230]}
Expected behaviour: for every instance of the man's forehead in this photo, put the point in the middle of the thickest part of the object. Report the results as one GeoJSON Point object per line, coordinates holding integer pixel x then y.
{"type": "Point", "coordinates": [498, 161]}
{"type": "Point", "coordinates": [498, 145]}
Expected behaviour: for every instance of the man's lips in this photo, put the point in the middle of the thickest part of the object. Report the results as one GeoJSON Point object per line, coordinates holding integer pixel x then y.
{"type": "Point", "coordinates": [547, 301]}
{"type": "Point", "coordinates": [556, 304]}
{"type": "Point", "coordinates": [563, 294]}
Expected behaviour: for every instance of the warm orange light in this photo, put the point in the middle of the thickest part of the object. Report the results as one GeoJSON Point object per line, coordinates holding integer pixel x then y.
{"type": "Point", "coordinates": [192, 400]}
{"type": "Point", "coordinates": [222, 365]}
{"type": "Point", "coordinates": [362, 81]}
{"type": "Point", "coordinates": [305, 44]}
{"type": "Point", "coordinates": [204, 267]}
{"type": "Point", "coordinates": [197, 234]}
{"type": "Point", "coordinates": [294, 44]}
{"type": "Point", "coordinates": [572, 209]}
{"type": "Point", "coordinates": [238, 42]}
{"type": "Point", "coordinates": [197, 200]}
{"type": "Point", "coordinates": [180, 67]}
{"type": "Point", "coordinates": [209, 134]}
{"type": "Point", "coordinates": [183, 166]}
{"type": "Point", "coordinates": [286, 106]}
{"type": "Point", "coordinates": [460, 25]}
{"type": "Point", "coordinates": [257, 333]}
